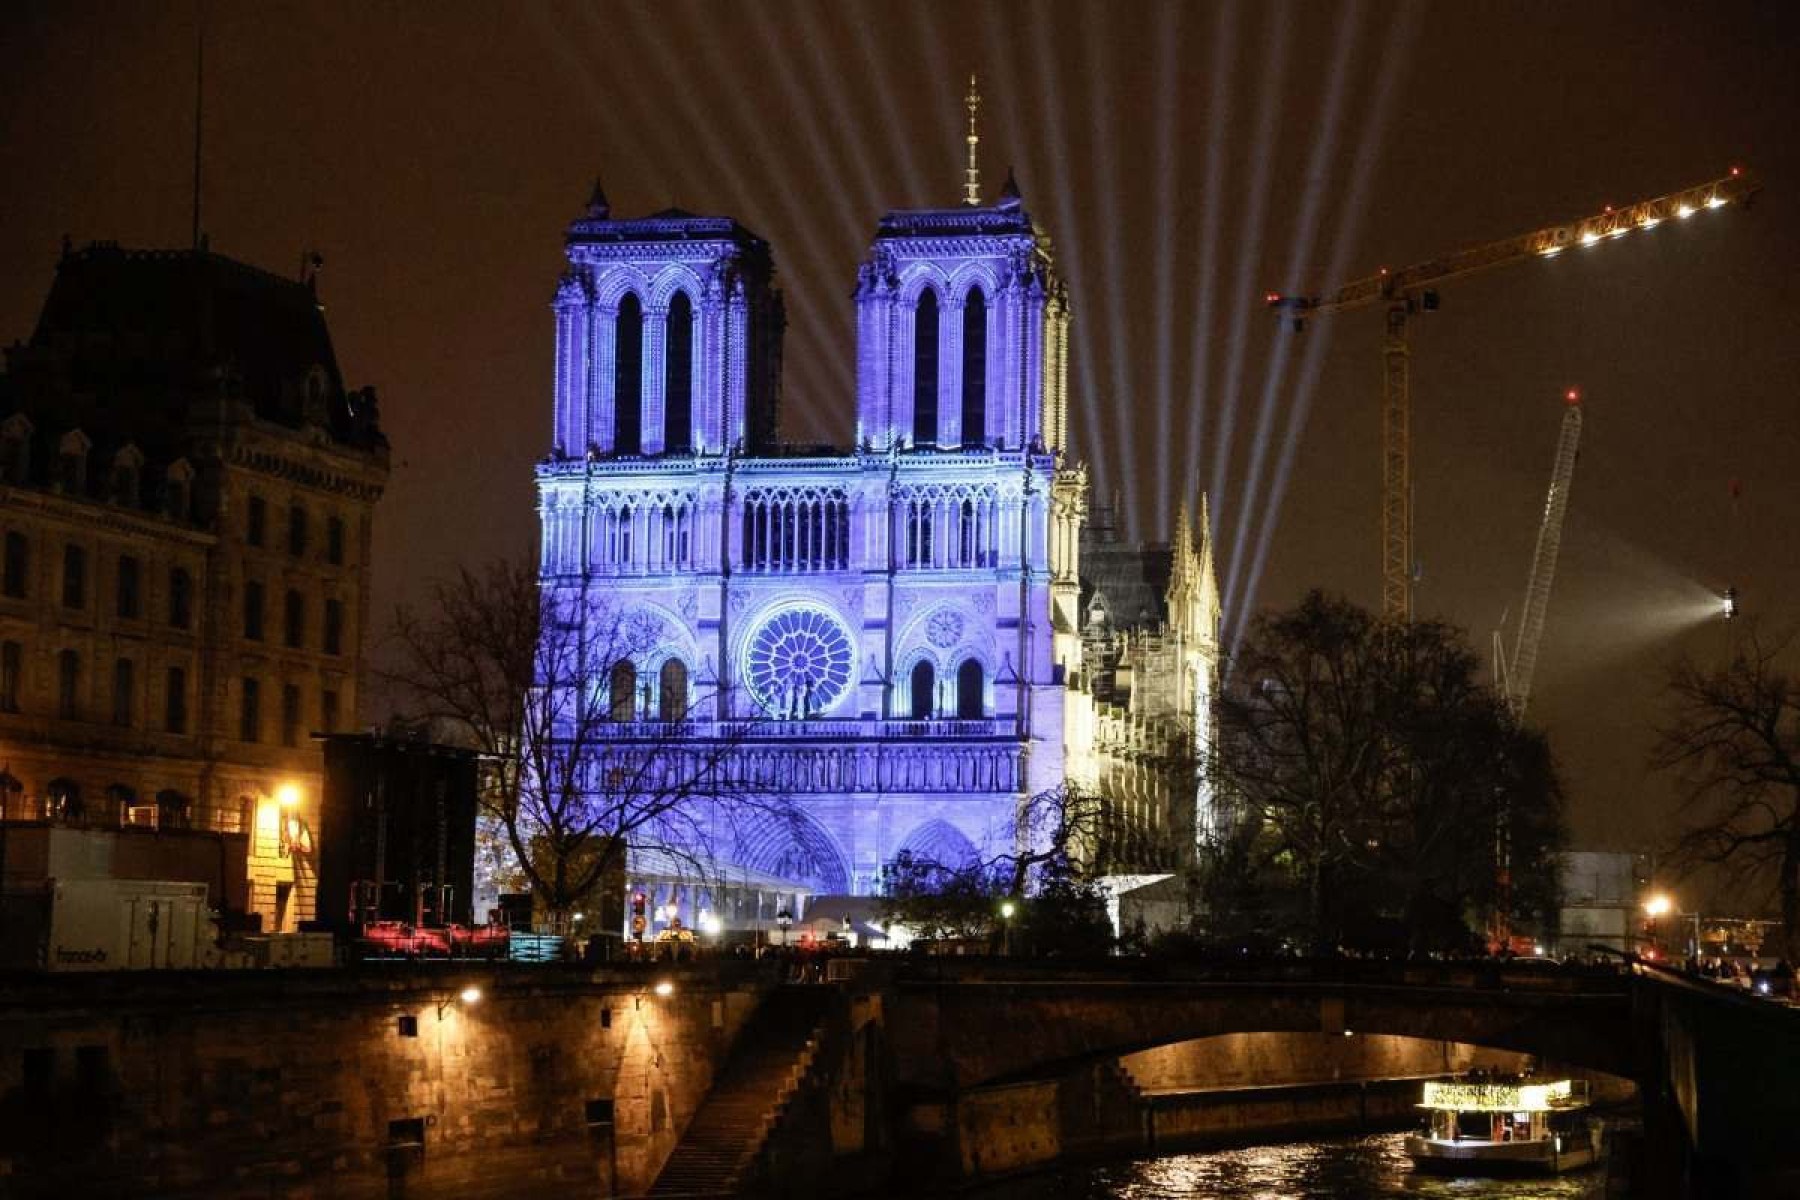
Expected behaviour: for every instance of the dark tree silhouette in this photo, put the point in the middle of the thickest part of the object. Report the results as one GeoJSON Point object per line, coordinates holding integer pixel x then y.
{"type": "Point", "coordinates": [1733, 742]}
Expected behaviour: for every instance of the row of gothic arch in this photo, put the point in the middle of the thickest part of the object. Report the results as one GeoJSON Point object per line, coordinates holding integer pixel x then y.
{"type": "Point", "coordinates": [927, 352]}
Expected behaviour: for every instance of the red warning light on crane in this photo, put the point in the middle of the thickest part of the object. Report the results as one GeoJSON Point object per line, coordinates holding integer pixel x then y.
{"type": "Point", "coordinates": [1572, 396]}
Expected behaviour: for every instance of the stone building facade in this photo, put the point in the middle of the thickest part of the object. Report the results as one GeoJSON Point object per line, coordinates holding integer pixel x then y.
{"type": "Point", "coordinates": [890, 635]}
{"type": "Point", "coordinates": [186, 490]}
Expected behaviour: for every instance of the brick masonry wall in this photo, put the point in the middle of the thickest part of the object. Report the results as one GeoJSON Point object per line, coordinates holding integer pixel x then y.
{"type": "Point", "coordinates": [319, 1084]}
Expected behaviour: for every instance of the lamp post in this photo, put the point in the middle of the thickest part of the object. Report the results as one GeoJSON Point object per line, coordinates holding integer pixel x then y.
{"type": "Point", "coordinates": [783, 919]}
{"type": "Point", "coordinates": [1656, 906]}
{"type": "Point", "coordinates": [1007, 909]}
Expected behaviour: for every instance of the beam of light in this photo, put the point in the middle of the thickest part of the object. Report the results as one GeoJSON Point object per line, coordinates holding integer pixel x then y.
{"type": "Point", "coordinates": [1200, 349]}
{"type": "Point", "coordinates": [720, 136]}
{"type": "Point", "coordinates": [1306, 232]}
{"type": "Point", "coordinates": [1268, 121]}
{"type": "Point", "coordinates": [1099, 46]}
{"type": "Point", "coordinates": [877, 70]}
{"type": "Point", "coordinates": [1396, 57]}
{"type": "Point", "coordinates": [945, 127]}
{"type": "Point", "coordinates": [1168, 36]}
{"type": "Point", "coordinates": [821, 159]}
{"type": "Point", "coordinates": [1048, 102]}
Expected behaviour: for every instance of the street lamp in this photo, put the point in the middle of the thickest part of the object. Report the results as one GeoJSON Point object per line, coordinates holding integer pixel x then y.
{"type": "Point", "coordinates": [1656, 906]}
{"type": "Point", "coordinates": [1007, 909]}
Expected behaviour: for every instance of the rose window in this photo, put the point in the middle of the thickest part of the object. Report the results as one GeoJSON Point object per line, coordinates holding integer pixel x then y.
{"type": "Point", "coordinates": [798, 663]}
{"type": "Point", "coordinates": [945, 628]}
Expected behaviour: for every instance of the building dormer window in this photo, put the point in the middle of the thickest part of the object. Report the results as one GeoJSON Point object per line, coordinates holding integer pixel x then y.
{"type": "Point", "coordinates": [71, 463]}
{"type": "Point", "coordinates": [127, 470]}
{"type": "Point", "coordinates": [178, 490]}
{"type": "Point", "coordinates": [15, 449]}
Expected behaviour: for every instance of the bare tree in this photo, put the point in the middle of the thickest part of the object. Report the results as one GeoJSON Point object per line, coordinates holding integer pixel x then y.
{"type": "Point", "coordinates": [1733, 741]}
{"type": "Point", "coordinates": [586, 760]}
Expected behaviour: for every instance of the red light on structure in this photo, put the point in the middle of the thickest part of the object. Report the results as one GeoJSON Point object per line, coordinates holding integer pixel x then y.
{"type": "Point", "coordinates": [1736, 171]}
{"type": "Point", "coordinates": [1572, 396]}
{"type": "Point", "coordinates": [1272, 298]}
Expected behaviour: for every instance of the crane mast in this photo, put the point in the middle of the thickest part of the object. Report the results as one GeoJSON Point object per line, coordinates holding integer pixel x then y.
{"type": "Point", "coordinates": [1515, 675]}
{"type": "Point", "coordinates": [1414, 289]}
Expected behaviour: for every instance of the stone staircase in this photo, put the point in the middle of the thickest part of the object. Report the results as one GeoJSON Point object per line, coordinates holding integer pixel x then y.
{"type": "Point", "coordinates": [772, 1056]}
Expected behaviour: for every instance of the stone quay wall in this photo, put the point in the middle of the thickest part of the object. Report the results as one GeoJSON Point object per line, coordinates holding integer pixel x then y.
{"type": "Point", "coordinates": [376, 1082]}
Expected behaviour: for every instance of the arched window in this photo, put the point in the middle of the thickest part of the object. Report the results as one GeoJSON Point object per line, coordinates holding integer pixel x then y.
{"type": "Point", "coordinates": [974, 370]}
{"type": "Point", "coordinates": [671, 691]}
{"type": "Point", "coordinates": [924, 683]}
{"type": "Point", "coordinates": [628, 378]}
{"type": "Point", "coordinates": [621, 690]}
{"type": "Point", "coordinates": [970, 703]}
{"type": "Point", "coordinates": [678, 375]}
{"type": "Point", "coordinates": [925, 370]}
{"type": "Point", "coordinates": [173, 810]}
{"type": "Point", "coordinates": [63, 800]}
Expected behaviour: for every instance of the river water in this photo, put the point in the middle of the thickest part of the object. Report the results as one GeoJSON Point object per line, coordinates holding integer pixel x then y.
{"type": "Point", "coordinates": [1345, 1168]}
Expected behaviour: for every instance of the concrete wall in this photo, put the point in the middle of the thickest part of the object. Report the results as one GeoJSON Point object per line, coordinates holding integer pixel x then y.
{"type": "Point", "coordinates": [557, 1082]}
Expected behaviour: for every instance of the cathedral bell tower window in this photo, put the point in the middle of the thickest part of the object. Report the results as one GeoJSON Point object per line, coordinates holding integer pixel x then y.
{"type": "Point", "coordinates": [628, 378]}
{"type": "Point", "coordinates": [974, 370]}
{"type": "Point", "coordinates": [925, 370]}
{"type": "Point", "coordinates": [678, 364]}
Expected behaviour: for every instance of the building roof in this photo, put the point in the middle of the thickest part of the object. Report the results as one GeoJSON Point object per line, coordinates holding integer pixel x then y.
{"type": "Point", "coordinates": [129, 341]}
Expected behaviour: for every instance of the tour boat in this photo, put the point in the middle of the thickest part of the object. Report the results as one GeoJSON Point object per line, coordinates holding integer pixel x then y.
{"type": "Point", "coordinates": [1490, 1125]}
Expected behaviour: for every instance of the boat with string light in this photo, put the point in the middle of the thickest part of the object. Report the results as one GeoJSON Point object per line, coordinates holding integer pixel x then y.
{"type": "Point", "coordinates": [1490, 1124]}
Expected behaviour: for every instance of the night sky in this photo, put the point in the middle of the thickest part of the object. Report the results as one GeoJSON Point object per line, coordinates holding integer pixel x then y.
{"type": "Point", "coordinates": [1184, 158]}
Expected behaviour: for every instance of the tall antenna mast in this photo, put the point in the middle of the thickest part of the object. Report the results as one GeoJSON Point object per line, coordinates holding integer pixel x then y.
{"type": "Point", "coordinates": [199, 95]}
{"type": "Point", "coordinates": [972, 175]}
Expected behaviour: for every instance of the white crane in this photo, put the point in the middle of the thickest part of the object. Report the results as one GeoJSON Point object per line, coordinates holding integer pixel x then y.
{"type": "Point", "coordinates": [1513, 675]}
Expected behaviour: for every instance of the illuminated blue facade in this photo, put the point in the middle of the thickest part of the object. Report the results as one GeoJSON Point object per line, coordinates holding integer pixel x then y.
{"type": "Point", "coordinates": [890, 623]}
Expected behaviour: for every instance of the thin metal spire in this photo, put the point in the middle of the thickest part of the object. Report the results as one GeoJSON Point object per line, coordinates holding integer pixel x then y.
{"type": "Point", "coordinates": [972, 175]}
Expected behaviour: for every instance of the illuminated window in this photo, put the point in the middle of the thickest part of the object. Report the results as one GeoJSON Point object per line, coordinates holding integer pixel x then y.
{"type": "Point", "coordinates": [678, 374]}
{"type": "Point", "coordinates": [974, 370]}
{"type": "Point", "coordinates": [628, 378]}
{"type": "Point", "coordinates": [925, 369]}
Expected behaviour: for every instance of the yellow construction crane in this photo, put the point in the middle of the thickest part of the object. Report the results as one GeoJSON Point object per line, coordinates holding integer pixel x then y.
{"type": "Point", "coordinates": [1414, 289]}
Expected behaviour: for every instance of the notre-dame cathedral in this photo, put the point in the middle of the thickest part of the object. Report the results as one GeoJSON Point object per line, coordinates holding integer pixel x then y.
{"type": "Point", "coordinates": [912, 635]}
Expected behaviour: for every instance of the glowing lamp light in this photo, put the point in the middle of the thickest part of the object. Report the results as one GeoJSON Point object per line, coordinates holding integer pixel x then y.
{"type": "Point", "coordinates": [1730, 603]}
{"type": "Point", "coordinates": [1658, 905]}
{"type": "Point", "coordinates": [1007, 909]}
{"type": "Point", "coordinates": [1572, 396]}
{"type": "Point", "coordinates": [711, 925]}
{"type": "Point", "coordinates": [1684, 212]}
{"type": "Point", "coordinates": [288, 795]}
{"type": "Point", "coordinates": [1589, 238]}
{"type": "Point", "coordinates": [1715, 202]}
{"type": "Point", "coordinates": [664, 988]}
{"type": "Point", "coordinates": [470, 995]}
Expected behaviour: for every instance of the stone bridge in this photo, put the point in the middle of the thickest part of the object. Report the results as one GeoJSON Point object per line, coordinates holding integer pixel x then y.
{"type": "Point", "coordinates": [1716, 1070]}
{"type": "Point", "coordinates": [954, 1033]}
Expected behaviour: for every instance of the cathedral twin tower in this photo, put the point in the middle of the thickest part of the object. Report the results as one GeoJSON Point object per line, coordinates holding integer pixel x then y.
{"type": "Point", "coordinates": [885, 631]}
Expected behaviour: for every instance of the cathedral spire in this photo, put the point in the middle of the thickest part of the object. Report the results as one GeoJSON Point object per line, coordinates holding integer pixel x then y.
{"type": "Point", "coordinates": [972, 174]}
{"type": "Point", "coordinates": [598, 206]}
